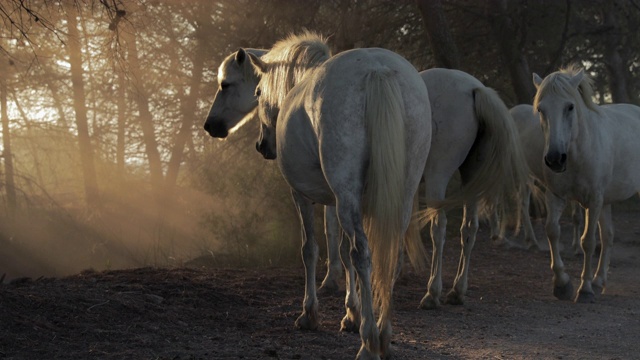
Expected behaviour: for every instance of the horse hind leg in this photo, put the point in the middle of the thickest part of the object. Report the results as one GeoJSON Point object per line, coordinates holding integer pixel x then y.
{"type": "Point", "coordinates": [360, 256]}
{"type": "Point", "coordinates": [431, 300]}
{"type": "Point", "coordinates": [577, 219]}
{"type": "Point", "coordinates": [468, 232]}
{"type": "Point", "coordinates": [606, 240]}
{"type": "Point", "coordinates": [496, 232]}
{"type": "Point", "coordinates": [308, 320]}
{"type": "Point", "coordinates": [530, 240]}
{"type": "Point", "coordinates": [330, 284]}
{"type": "Point", "coordinates": [351, 320]}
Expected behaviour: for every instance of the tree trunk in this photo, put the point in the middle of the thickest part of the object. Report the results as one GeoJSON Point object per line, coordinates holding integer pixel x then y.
{"type": "Point", "coordinates": [443, 46]}
{"type": "Point", "coordinates": [120, 141]}
{"type": "Point", "coordinates": [146, 119]}
{"type": "Point", "coordinates": [6, 143]}
{"type": "Point", "coordinates": [31, 138]}
{"type": "Point", "coordinates": [54, 93]}
{"type": "Point", "coordinates": [507, 34]}
{"type": "Point", "coordinates": [615, 64]}
{"type": "Point", "coordinates": [188, 107]}
{"type": "Point", "coordinates": [79, 104]}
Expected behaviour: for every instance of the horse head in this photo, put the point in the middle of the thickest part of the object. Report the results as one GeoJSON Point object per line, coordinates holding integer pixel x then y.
{"type": "Point", "coordinates": [235, 99]}
{"type": "Point", "coordinates": [558, 102]}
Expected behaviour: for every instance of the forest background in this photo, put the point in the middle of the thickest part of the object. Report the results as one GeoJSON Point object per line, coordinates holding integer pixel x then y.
{"type": "Point", "coordinates": [104, 162]}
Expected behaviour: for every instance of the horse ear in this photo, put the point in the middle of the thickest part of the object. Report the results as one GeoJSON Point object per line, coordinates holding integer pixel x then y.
{"type": "Point", "coordinates": [259, 65]}
{"type": "Point", "coordinates": [241, 55]}
{"type": "Point", "coordinates": [577, 78]}
{"type": "Point", "coordinates": [537, 80]}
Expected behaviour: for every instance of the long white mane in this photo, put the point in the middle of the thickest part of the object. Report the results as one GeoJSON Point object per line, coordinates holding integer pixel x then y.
{"type": "Point", "coordinates": [289, 60]}
{"type": "Point", "coordinates": [559, 84]}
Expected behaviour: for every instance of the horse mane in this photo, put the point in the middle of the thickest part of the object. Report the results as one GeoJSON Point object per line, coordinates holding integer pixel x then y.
{"type": "Point", "coordinates": [558, 84]}
{"type": "Point", "coordinates": [289, 60]}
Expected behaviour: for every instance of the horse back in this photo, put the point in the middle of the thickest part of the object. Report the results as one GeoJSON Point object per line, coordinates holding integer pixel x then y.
{"type": "Point", "coordinates": [338, 96]}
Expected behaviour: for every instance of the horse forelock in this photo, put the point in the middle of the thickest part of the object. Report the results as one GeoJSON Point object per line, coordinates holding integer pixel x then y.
{"type": "Point", "coordinates": [288, 61]}
{"type": "Point", "coordinates": [558, 84]}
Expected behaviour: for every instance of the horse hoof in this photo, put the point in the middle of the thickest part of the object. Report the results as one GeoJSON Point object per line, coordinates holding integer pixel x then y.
{"type": "Point", "coordinates": [453, 298]}
{"type": "Point", "coordinates": [349, 325]}
{"type": "Point", "coordinates": [585, 297]}
{"type": "Point", "coordinates": [598, 285]}
{"type": "Point", "coordinates": [306, 322]}
{"type": "Point", "coordinates": [563, 292]}
{"type": "Point", "coordinates": [365, 354]}
{"type": "Point", "coordinates": [497, 240]}
{"type": "Point", "coordinates": [385, 346]}
{"type": "Point", "coordinates": [429, 303]}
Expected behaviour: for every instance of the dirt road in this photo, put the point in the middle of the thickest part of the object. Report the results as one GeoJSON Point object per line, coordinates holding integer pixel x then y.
{"type": "Point", "coordinates": [184, 313]}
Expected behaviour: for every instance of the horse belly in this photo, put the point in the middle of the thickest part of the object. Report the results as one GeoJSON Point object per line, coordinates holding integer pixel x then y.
{"type": "Point", "coordinates": [299, 160]}
{"type": "Point", "coordinates": [308, 181]}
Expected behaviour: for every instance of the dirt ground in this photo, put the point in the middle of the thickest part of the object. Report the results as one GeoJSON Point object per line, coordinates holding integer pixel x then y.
{"type": "Point", "coordinates": [201, 313]}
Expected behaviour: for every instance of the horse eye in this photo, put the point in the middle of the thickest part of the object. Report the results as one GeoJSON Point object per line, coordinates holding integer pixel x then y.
{"type": "Point", "coordinates": [570, 107]}
{"type": "Point", "coordinates": [224, 85]}
{"type": "Point", "coordinates": [258, 92]}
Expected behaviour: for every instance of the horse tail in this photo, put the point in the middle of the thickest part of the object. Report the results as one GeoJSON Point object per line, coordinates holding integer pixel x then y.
{"type": "Point", "coordinates": [495, 171]}
{"type": "Point", "coordinates": [499, 173]}
{"type": "Point", "coordinates": [385, 182]}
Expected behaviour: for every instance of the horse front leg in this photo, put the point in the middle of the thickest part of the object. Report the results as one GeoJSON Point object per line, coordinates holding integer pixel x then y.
{"type": "Point", "coordinates": [562, 287]}
{"type": "Point", "coordinates": [468, 232]}
{"type": "Point", "coordinates": [606, 240]}
{"type": "Point", "coordinates": [308, 320]}
{"type": "Point", "coordinates": [588, 243]}
{"type": "Point", "coordinates": [334, 267]}
{"type": "Point", "coordinates": [438, 232]}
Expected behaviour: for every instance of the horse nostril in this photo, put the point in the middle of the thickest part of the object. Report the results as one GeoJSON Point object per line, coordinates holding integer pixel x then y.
{"type": "Point", "coordinates": [563, 158]}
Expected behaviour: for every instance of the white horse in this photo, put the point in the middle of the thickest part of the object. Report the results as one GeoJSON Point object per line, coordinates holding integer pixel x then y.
{"type": "Point", "coordinates": [592, 155]}
{"type": "Point", "coordinates": [234, 104]}
{"type": "Point", "coordinates": [532, 143]}
{"type": "Point", "coordinates": [473, 133]}
{"type": "Point", "coordinates": [354, 132]}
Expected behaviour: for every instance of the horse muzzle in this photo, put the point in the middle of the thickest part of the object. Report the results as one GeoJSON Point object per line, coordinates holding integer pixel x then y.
{"type": "Point", "coordinates": [556, 162]}
{"type": "Point", "coordinates": [216, 128]}
{"type": "Point", "coordinates": [266, 151]}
